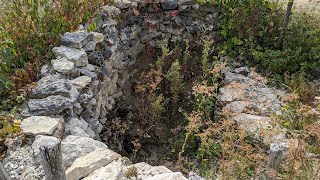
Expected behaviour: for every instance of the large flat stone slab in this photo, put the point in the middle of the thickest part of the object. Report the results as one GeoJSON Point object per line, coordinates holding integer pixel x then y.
{"type": "Point", "coordinates": [112, 171]}
{"type": "Point", "coordinates": [77, 56]}
{"type": "Point", "coordinates": [36, 125]}
{"type": "Point", "coordinates": [85, 165]}
{"type": "Point", "coordinates": [76, 39]}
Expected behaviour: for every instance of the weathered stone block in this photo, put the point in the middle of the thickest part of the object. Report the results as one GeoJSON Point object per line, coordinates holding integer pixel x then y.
{"type": "Point", "coordinates": [76, 39]}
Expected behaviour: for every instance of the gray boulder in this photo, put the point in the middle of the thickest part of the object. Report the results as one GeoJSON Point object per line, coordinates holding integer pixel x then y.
{"type": "Point", "coordinates": [51, 105]}
{"type": "Point", "coordinates": [77, 127]}
{"type": "Point", "coordinates": [122, 4]}
{"type": "Point", "coordinates": [59, 87]}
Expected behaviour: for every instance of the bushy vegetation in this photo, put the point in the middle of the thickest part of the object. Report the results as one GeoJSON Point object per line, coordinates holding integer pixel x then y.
{"type": "Point", "coordinates": [28, 32]}
{"type": "Point", "coordinates": [249, 31]}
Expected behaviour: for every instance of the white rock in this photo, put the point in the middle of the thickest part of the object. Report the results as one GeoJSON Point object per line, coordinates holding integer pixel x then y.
{"type": "Point", "coordinates": [74, 147]}
{"type": "Point", "coordinates": [81, 81]}
{"type": "Point", "coordinates": [62, 65]}
{"type": "Point", "coordinates": [85, 165]}
{"type": "Point", "coordinates": [97, 37]}
{"type": "Point", "coordinates": [168, 176]}
{"type": "Point", "coordinates": [39, 141]}
{"type": "Point", "coordinates": [112, 171]}
{"type": "Point", "coordinates": [77, 56]}
{"type": "Point", "coordinates": [237, 106]}
{"type": "Point", "coordinates": [37, 125]}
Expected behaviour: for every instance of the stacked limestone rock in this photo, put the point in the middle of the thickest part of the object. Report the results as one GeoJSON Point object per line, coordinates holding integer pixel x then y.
{"type": "Point", "coordinates": [58, 94]}
{"type": "Point", "coordinates": [81, 86]}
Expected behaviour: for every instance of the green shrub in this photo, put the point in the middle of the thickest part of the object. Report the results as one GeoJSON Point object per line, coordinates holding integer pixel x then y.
{"type": "Point", "coordinates": [175, 78]}
{"type": "Point", "coordinates": [249, 30]}
{"type": "Point", "coordinates": [247, 25]}
{"type": "Point", "coordinates": [300, 51]}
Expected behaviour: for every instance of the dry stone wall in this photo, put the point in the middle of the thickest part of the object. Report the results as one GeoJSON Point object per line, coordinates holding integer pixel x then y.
{"type": "Point", "coordinates": [78, 88]}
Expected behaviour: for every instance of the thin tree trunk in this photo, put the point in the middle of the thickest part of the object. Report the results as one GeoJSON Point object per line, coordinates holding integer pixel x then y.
{"type": "Point", "coordinates": [285, 24]}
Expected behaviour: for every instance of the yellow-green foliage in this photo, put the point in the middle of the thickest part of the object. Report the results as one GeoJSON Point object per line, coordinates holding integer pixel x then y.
{"type": "Point", "coordinates": [175, 78]}
{"type": "Point", "coordinates": [158, 106]}
{"type": "Point", "coordinates": [165, 53]}
{"type": "Point", "coordinates": [207, 50]}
